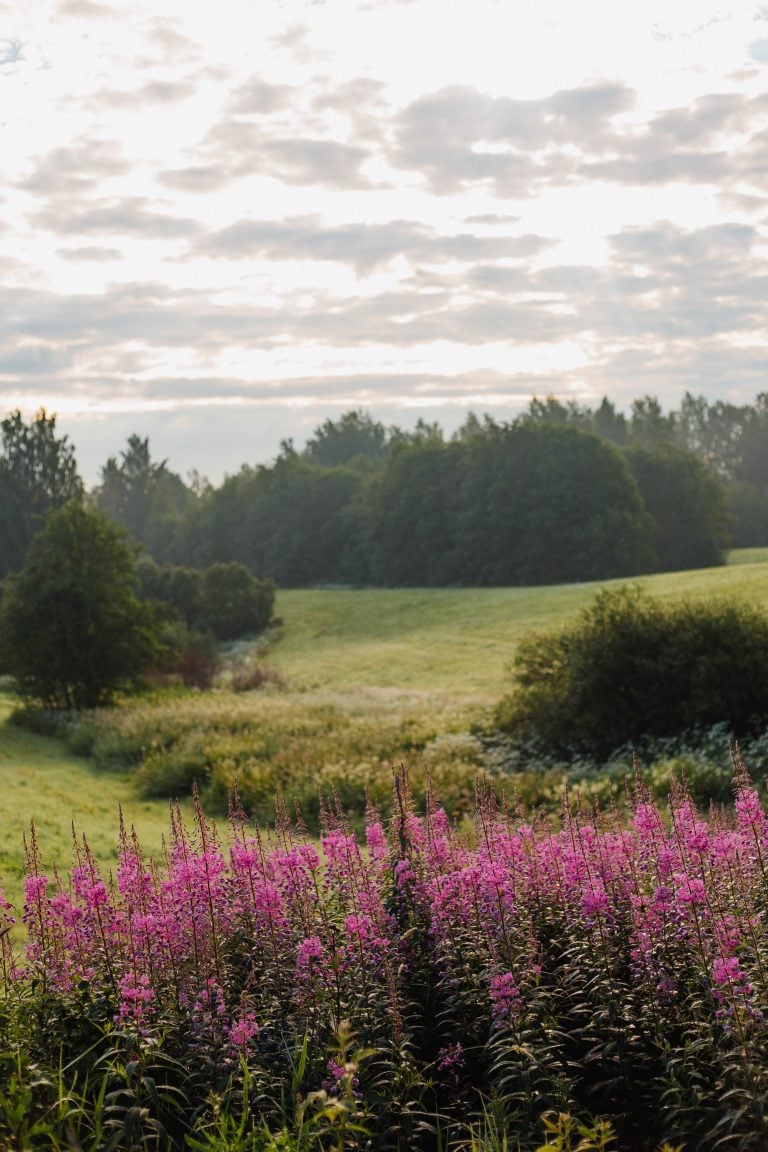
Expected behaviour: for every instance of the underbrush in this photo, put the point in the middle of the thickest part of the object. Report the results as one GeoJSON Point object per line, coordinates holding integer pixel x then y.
{"type": "Point", "coordinates": [595, 985]}
{"type": "Point", "coordinates": [302, 746]}
{"type": "Point", "coordinates": [276, 742]}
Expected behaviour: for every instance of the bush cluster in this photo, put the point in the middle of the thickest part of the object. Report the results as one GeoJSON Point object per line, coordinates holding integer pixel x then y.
{"type": "Point", "coordinates": [224, 599]}
{"type": "Point", "coordinates": [633, 668]}
{"type": "Point", "coordinates": [419, 991]}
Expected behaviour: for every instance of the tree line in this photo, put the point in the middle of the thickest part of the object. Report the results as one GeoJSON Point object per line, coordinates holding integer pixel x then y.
{"type": "Point", "coordinates": [563, 492]}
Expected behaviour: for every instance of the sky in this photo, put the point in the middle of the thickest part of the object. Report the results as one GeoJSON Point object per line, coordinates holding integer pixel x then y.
{"type": "Point", "coordinates": [222, 224]}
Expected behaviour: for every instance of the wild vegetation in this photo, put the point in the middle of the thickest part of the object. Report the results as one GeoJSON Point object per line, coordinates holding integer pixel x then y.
{"type": "Point", "coordinates": [426, 990]}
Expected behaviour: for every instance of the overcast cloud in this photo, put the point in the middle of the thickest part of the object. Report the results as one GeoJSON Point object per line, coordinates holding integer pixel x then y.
{"type": "Point", "coordinates": [220, 226]}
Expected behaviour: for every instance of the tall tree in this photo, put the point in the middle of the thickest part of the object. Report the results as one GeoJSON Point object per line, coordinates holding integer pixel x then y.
{"type": "Point", "coordinates": [72, 630]}
{"type": "Point", "coordinates": [688, 506]}
{"type": "Point", "coordinates": [38, 472]}
{"type": "Point", "coordinates": [143, 497]}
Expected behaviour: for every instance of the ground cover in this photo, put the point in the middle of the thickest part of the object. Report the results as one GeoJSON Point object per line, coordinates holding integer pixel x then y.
{"type": "Point", "coordinates": [458, 640]}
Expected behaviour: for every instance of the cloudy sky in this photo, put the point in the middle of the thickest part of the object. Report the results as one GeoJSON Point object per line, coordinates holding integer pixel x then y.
{"type": "Point", "coordinates": [222, 223]}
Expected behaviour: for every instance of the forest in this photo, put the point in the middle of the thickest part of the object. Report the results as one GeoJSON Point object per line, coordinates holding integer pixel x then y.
{"type": "Point", "coordinates": [562, 492]}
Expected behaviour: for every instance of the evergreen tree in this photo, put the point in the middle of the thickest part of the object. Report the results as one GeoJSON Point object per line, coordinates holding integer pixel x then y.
{"type": "Point", "coordinates": [38, 472]}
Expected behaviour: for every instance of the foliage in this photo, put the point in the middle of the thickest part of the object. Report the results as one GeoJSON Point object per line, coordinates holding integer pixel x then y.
{"type": "Point", "coordinates": [72, 631]}
{"type": "Point", "coordinates": [290, 521]}
{"type": "Point", "coordinates": [354, 436]}
{"type": "Point", "coordinates": [233, 602]}
{"type": "Point", "coordinates": [37, 473]}
{"type": "Point", "coordinates": [225, 600]}
{"type": "Point", "coordinates": [580, 987]}
{"type": "Point", "coordinates": [687, 504]}
{"type": "Point", "coordinates": [548, 504]}
{"type": "Point", "coordinates": [541, 500]}
{"type": "Point", "coordinates": [632, 667]}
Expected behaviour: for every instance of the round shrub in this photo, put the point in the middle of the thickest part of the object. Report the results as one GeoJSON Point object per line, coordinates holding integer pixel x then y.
{"type": "Point", "coordinates": [632, 668]}
{"type": "Point", "coordinates": [234, 602]}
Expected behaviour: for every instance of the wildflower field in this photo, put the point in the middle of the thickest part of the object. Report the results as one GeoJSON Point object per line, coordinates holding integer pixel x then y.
{"type": "Point", "coordinates": [469, 960]}
{"type": "Point", "coordinates": [520, 987]}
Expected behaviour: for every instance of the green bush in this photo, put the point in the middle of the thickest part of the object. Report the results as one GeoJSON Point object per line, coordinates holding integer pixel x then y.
{"type": "Point", "coordinates": [632, 668]}
{"type": "Point", "coordinates": [234, 602]}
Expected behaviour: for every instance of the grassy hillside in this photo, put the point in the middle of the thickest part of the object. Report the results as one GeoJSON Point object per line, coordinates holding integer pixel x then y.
{"type": "Point", "coordinates": [454, 641]}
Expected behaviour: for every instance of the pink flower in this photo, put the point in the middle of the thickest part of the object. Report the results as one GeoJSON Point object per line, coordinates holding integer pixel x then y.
{"type": "Point", "coordinates": [243, 1030]}
{"type": "Point", "coordinates": [506, 1001]}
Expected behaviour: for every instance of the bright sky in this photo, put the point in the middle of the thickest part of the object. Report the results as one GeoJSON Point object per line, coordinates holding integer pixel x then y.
{"type": "Point", "coordinates": [222, 223]}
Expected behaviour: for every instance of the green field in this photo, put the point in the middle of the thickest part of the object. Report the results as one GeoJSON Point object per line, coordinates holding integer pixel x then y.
{"type": "Point", "coordinates": [369, 674]}
{"type": "Point", "coordinates": [456, 641]}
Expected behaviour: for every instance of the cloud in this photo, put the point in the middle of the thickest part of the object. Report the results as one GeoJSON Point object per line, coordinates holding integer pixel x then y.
{"type": "Point", "coordinates": [257, 97]}
{"type": "Point", "coordinates": [459, 135]}
{"type": "Point", "coordinates": [133, 216]}
{"type": "Point", "coordinates": [21, 359]}
{"type": "Point", "coordinates": [758, 50]}
{"type": "Point", "coordinates": [160, 92]}
{"type": "Point", "coordinates": [239, 147]}
{"type": "Point", "coordinates": [364, 246]}
{"type": "Point", "coordinates": [92, 254]}
{"type": "Point", "coordinates": [75, 168]}
{"type": "Point", "coordinates": [85, 10]}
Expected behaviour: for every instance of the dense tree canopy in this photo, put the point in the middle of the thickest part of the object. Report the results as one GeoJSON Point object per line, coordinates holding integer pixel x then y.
{"type": "Point", "coordinates": [687, 504]}
{"type": "Point", "coordinates": [72, 631]}
{"type": "Point", "coordinates": [562, 492]}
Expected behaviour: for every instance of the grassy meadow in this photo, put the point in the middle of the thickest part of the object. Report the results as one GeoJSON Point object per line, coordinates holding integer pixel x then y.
{"type": "Point", "coordinates": [369, 678]}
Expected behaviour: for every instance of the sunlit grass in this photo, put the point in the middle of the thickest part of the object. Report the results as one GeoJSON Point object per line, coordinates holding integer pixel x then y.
{"type": "Point", "coordinates": [457, 641]}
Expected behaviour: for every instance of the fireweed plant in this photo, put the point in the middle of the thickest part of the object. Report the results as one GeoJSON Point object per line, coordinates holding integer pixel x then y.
{"type": "Point", "coordinates": [421, 989]}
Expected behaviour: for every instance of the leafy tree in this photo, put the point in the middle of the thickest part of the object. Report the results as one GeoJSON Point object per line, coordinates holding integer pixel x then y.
{"type": "Point", "coordinates": [632, 667]}
{"type": "Point", "coordinates": [181, 589]}
{"type": "Point", "coordinates": [412, 516]}
{"type": "Point", "coordinates": [688, 506]}
{"type": "Point", "coordinates": [609, 424]}
{"type": "Point", "coordinates": [648, 424]}
{"type": "Point", "coordinates": [291, 521]}
{"type": "Point", "coordinates": [72, 631]}
{"type": "Point", "coordinates": [748, 511]}
{"type": "Point", "coordinates": [544, 503]}
{"type": "Point", "coordinates": [37, 473]}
